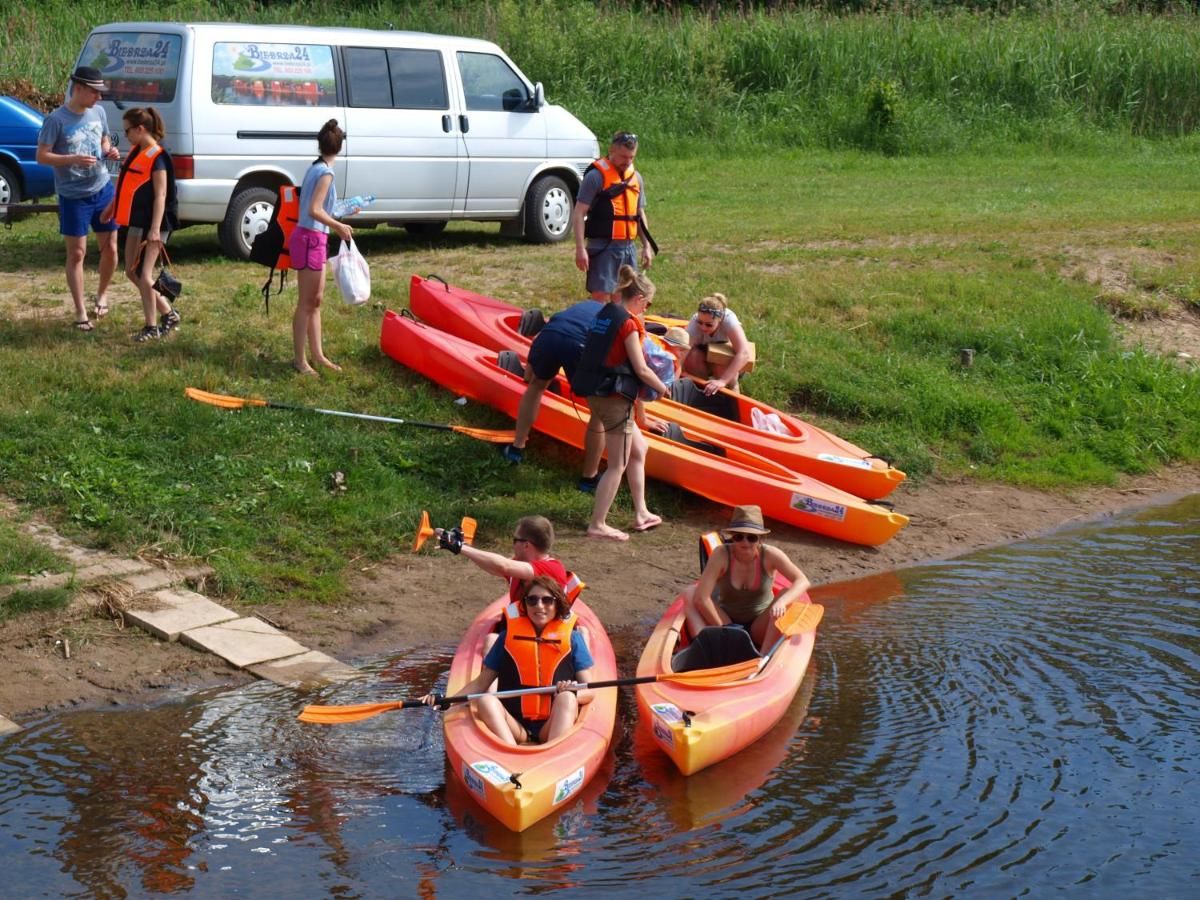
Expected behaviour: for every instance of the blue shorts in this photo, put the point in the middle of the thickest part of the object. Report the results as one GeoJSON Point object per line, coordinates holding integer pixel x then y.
{"type": "Point", "coordinates": [75, 214]}
{"type": "Point", "coordinates": [605, 263]}
{"type": "Point", "coordinates": [552, 351]}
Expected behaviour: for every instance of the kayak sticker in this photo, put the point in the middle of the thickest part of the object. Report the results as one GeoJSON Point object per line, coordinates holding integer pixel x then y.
{"type": "Point", "coordinates": [668, 712]}
{"type": "Point", "coordinates": [493, 772]}
{"type": "Point", "coordinates": [844, 461]}
{"type": "Point", "coordinates": [473, 782]}
{"type": "Point", "coordinates": [663, 734]}
{"type": "Point", "coordinates": [822, 508]}
{"type": "Point", "coordinates": [568, 785]}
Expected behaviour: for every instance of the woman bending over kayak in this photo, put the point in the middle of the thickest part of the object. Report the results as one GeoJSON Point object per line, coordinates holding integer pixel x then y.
{"type": "Point", "coordinates": [735, 587]}
{"type": "Point", "coordinates": [542, 645]}
{"type": "Point", "coordinates": [715, 323]}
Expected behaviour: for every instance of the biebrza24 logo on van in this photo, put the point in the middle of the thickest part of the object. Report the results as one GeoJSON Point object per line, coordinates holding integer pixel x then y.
{"type": "Point", "coordinates": [273, 74]}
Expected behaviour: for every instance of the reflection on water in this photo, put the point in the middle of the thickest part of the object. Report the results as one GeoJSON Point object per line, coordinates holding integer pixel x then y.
{"type": "Point", "coordinates": [1019, 720]}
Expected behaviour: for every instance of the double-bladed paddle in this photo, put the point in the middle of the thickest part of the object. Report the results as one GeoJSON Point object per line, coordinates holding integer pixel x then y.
{"type": "Point", "coordinates": [797, 619]}
{"type": "Point", "coordinates": [224, 401]}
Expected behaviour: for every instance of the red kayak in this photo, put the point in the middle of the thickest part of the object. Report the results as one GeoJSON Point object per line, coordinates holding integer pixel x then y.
{"type": "Point", "coordinates": [804, 448]}
{"type": "Point", "coordinates": [739, 476]}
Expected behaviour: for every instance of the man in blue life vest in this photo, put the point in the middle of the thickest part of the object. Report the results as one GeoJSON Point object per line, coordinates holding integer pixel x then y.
{"type": "Point", "coordinates": [610, 214]}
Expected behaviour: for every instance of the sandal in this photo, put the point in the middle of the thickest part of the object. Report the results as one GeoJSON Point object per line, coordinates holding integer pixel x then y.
{"type": "Point", "coordinates": [100, 310]}
{"type": "Point", "coordinates": [84, 325]}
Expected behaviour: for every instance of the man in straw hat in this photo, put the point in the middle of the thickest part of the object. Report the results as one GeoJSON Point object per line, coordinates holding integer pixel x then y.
{"type": "Point", "coordinates": [74, 142]}
{"type": "Point", "coordinates": [736, 586]}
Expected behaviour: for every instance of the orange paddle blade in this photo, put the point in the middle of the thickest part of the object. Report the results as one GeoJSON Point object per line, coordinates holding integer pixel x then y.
{"type": "Point", "coordinates": [424, 531]}
{"type": "Point", "coordinates": [713, 677]}
{"type": "Point", "coordinates": [468, 526]}
{"type": "Point", "coordinates": [337, 715]}
{"type": "Point", "coordinates": [799, 618]}
{"type": "Point", "coordinates": [224, 401]}
{"type": "Point", "coordinates": [486, 434]}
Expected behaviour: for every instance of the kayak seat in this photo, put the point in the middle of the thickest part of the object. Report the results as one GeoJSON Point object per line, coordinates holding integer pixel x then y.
{"type": "Point", "coordinates": [717, 645]}
{"type": "Point", "coordinates": [532, 321]}
{"type": "Point", "coordinates": [686, 391]}
{"type": "Point", "coordinates": [675, 433]}
{"type": "Point", "coordinates": [509, 361]}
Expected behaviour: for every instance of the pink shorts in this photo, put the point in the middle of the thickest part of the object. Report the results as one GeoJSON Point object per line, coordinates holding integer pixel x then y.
{"type": "Point", "coordinates": [307, 248]}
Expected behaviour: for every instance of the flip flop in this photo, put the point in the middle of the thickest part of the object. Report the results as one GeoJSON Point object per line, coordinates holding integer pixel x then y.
{"type": "Point", "coordinates": [100, 310]}
{"type": "Point", "coordinates": [640, 529]}
{"type": "Point", "coordinates": [84, 325]}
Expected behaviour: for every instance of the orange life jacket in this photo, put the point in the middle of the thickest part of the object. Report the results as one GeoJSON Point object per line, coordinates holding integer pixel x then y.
{"type": "Point", "coordinates": [289, 218]}
{"type": "Point", "coordinates": [613, 213]}
{"type": "Point", "coordinates": [134, 176]}
{"type": "Point", "coordinates": [270, 248]}
{"type": "Point", "coordinates": [536, 660]}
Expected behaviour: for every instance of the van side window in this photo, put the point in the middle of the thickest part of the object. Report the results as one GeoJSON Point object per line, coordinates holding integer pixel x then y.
{"type": "Point", "coordinates": [273, 74]}
{"type": "Point", "coordinates": [139, 66]}
{"type": "Point", "coordinates": [490, 83]}
{"type": "Point", "coordinates": [401, 79]}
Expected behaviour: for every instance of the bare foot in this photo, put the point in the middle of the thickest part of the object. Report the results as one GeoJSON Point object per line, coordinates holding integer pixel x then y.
{"type": "Point", "coordinates": [329, 364]}
{"type": "Point", "coordinates": [606, 533]}
{"type": "Point", "coordinates": [651, 521]}
{"type": "Point", "coordinates": [304, 369]}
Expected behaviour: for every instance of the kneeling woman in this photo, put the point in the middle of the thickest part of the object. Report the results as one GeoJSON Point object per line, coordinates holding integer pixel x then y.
{"type": "Point", "coordinates": [542, 646]}
{"type": "Point", "coordinates": [735, 587]}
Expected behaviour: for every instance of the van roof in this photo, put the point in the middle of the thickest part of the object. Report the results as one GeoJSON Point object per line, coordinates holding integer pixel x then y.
{"type": "Point", "coordinates": [276, 33]}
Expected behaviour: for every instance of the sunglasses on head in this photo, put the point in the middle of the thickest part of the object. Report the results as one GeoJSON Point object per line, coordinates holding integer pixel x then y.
{"type": "Point", "coordinates": [625, 139]}
{"type": "Point", "coordinates": [737, 537]}
{"type": "Point", "coordinates": [714, 311]}
{"type": "Point", "coordinates": [540, 600]}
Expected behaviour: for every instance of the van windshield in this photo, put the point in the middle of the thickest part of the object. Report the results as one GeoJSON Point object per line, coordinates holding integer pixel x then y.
{"type": "Point", "coordinates": [140, 67]}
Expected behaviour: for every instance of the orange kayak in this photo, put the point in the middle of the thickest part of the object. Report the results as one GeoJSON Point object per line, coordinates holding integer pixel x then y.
{"type": "Point", "coordinates": [739, 475]}
{"type": "Point", "coordinates": [521, 785]}
{"type": "Point", "coordinates": [804, 448]}
{"type": "Point", "coordinates": [699, 725]}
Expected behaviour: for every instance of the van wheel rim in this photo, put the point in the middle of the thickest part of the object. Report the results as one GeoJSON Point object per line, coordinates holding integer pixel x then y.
{"type": "Point", "coordinates": [255, 220]}
{"type": "Point", "coordinates": [556, 211]}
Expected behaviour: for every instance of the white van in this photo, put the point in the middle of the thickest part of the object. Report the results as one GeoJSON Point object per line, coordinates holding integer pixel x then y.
{"type": "Point", "coordinates": [437, 127]}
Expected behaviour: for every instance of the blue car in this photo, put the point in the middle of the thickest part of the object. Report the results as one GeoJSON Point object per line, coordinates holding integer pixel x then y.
{"type": "Point", "coordinates": [21, 176]}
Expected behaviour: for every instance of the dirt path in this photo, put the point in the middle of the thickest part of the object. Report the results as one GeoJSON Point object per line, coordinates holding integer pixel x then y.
{"type": "Point", "coordinates": [397, 603]}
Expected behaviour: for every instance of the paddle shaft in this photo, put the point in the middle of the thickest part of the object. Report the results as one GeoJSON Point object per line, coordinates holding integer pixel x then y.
{"type": "Point", "coordinates": [350, 415]}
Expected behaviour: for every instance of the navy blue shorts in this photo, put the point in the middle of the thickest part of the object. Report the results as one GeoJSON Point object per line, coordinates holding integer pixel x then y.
{"type": "Point", "coordinates": [552, 351]}
{"type": "Point", "coordinates": [605, 264]}
{"type": "Point", "coordinates": [75, 214]}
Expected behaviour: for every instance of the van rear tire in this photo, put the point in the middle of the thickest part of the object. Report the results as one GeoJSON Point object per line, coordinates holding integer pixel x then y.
{"type": "Point", "coordinates": [548, 209]}
{"type": "Point", "coordinates": [248, 215]}
{"type": "Point", "coordinates": [425, 229]}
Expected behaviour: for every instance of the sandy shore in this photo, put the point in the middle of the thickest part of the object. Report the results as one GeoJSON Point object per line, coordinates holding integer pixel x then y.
{"type": "Point", "coordinates": [401, 602]}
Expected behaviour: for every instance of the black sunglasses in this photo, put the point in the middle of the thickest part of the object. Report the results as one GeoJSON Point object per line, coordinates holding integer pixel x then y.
{"type": "Point", "coordinates": [520, 540]}
{"type": "Point", "coordinates": [625, 139]}
{"type": "Point", "coordinates": [540, 600]}
{"type": "Point", "coordinates": [737, 537]}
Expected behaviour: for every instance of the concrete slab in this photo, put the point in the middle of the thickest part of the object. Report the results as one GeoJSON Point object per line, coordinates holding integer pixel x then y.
{"type": "Point", "coordinates": [8, 727]}
{"type": "Point", "coordinates": [177, 611]}
{"type": "Point", "coordinates": [110, 568]}
{"type": "Point", "coordinates": [156, 579]}
{"type": "Point", "coordinates": [37, 583]}
{"type": "Point", "coordinates": [243, 642]}
{"type": "Point", "coordinates": [305, 670]}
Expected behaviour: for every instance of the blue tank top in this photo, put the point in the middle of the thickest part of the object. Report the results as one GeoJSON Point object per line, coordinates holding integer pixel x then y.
{"type": "Point", "coordinates": [573, 321]}
{"type": "Point", "coordinates": [315, 173]}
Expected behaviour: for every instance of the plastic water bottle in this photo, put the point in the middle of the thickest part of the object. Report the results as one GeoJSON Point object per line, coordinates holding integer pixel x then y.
{"type": "Point", "coordinates": [344, 208]}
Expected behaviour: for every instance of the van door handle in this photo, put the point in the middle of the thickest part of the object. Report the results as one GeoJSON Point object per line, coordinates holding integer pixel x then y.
{"type": "Point", "coordinates": [464, 124]}
{"type": "Point", "coordinates": [446, 124]}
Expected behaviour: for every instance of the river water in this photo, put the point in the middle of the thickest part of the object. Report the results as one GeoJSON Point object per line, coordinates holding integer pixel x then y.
{"type": "Point", "coordinates": [1020, 721]}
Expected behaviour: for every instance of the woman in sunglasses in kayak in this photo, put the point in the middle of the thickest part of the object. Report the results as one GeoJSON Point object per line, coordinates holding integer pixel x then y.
{"type": "Point", "coordinates": [736, 584]}
{"type": "Point", "coordinates": [542, 646]}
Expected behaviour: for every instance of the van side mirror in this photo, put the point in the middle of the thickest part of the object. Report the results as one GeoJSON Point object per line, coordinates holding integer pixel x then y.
{"type": "Point", "coordinates": [538, 100]}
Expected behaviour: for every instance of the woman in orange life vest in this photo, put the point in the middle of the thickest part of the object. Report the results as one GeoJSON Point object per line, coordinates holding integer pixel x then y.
{"type": "Point", "coordinates": [542, 646]}
{"type": "Point", "coordinates": [307, 247]}
{"type": "Point", "coordinates": [611, 370]}
{"type": "Point", "coordinates": [145, 201]}
{"type": "Point", "coordinates": [735, 587]}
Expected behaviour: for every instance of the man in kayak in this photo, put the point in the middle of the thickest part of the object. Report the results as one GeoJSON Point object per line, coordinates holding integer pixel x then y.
{"type": "Point", "coordinates": [736, 584]}
{"type": "Point", "coordinates": [542, 645]}
{"type": "Point", "coordinates": [532, 540]}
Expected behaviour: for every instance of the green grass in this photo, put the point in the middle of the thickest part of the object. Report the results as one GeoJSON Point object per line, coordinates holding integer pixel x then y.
{"type": "Point", "coordinates": [22, 557]}
{"type": "Point", "coordinates": [860, 277]}
{"type": "Point", "coordinates": [20, 602]}
{"type": "Point", "coordinates": [1051, 75]}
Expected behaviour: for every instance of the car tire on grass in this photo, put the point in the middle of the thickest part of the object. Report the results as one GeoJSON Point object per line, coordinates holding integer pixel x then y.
{"type": "Point", "coordinates": [548, 209]}
{"type": "Point", "coordinates": [248, 215]}
{"type": "Point", "coordinates": [10, 186]}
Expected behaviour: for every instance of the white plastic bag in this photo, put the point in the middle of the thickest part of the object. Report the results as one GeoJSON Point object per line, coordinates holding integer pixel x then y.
{"type": "Point", "coordinates": [767, 422]}
{"type": "Point", "coordinates": [352, 274]}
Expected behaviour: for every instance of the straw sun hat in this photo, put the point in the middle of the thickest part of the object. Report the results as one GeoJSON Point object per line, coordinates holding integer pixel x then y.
{"type": "Point", "coordinates": [747, 520]}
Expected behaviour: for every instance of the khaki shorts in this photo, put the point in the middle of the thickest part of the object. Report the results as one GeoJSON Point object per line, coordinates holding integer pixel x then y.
{"type": "Point", "coordinates": [614, 412]}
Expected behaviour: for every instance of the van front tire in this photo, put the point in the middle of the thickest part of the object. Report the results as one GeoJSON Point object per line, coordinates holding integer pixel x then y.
{"type": "Point", "coordinates": [548, 210]}
{"type": "Point", "coordinates": [248, 215]}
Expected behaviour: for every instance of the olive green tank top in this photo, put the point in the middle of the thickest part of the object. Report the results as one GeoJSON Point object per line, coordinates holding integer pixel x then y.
{"type": "Point", "coordinates": [744, 605]}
